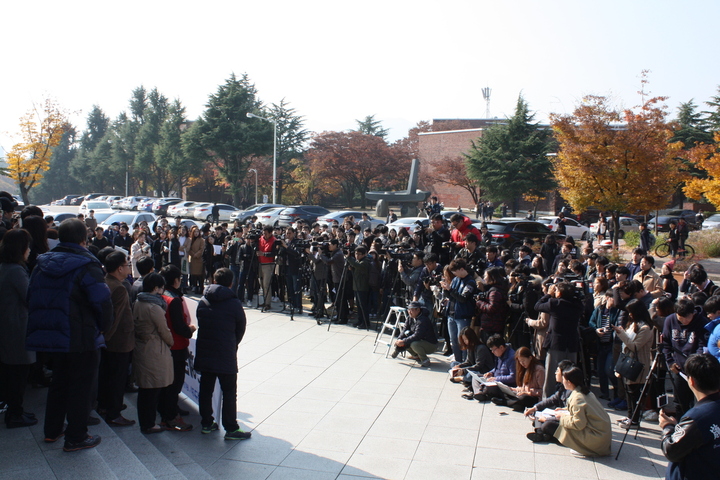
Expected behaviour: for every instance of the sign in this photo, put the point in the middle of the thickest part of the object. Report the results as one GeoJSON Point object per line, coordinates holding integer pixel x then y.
{"type": "Point", "coordinates": [191, 386]}
{"type": "Point", "coordinates": [265, 199]}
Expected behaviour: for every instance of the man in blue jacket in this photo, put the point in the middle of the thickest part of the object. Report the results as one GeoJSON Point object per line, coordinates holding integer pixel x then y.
{"type": "Point", "coordinates": [692, 444]}
{"type": "Point", "coordinates": [69, 309]}
{"type": "Point", "coordinates": [504, 371]}
{"type": "Point", "coordinates": [221, 327]}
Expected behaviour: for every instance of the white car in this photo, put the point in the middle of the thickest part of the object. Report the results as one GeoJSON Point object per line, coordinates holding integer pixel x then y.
{"type": "Point", "coordinates": [180, 209]}
{"type": "Point", "coordinates": [408, 223]}
{"type": "Point", "coordinates": [572, 227]}
{"type": "Point", "coordinates": [88, 205]}
{"type": "Point", "coordinates": [269, 216]}
{"type": "Point", "coordinates": [341, 215]}
{"type": "Point", "coordinates": [131, 218]}
{"type": "Point", "coordinates": [112, 200]}
{"type": "Point", "coordinates": [713, 221]}
{"type": "Point", "coordinates": [204, 212]}
{"type": "Point", "coordinates": [627, 224]}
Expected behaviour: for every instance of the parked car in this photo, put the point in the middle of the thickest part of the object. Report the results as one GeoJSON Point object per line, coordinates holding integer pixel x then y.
{"type": "Point", "coordinates": [93, 196]}
{"type": "Point", "coordinates": [60, 216]}
{"type": "Point", "coordinates": [204, 212]}
{"type": "Point", "coordinates": [573, 228]}
{"type": "Point", "coordinates": [627, 224]}
{"type": "Point", "coordinates": [113, 199]}
{"type": "Point", "coordinates": [663, 223]}
{"type": "Point", "coordinates": [309, 213]}
{"type": "Point", "coordinates": [86, 206]}
{"type": "Point", "coordinates": [160, 207]}
{"type": "Point", "coordinates": [341, 215]}
{"type": "Point", "coordinates": [66, 199]}
{"type": "Point", "coordinates": [270, 216]}
{"type": "Point", "coordinates": [180, 207]}
{"type": "Point", "coordinates": [145, 205]}
{"type": "Point", "coordinates": [131, 218]}
{"type": "Point", "coordinates": [243, 215]}
{"type": "Point", "coordinates": [713, 221]}
{"type": "Point", "coordinates": [511, 234]}
{"type": "Point", "coordinates": [408, 223]}
{"type": "Point", "coordinates": [77, 200]}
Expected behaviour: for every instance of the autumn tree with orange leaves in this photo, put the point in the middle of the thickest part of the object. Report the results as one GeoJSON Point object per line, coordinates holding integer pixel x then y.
{"type": "Point", "coordinates": [616, 160]}
{"type": "Point", "coordinates": [353, 161]}
{"type": "Point", "coordinates": [705, 157]}
{"type": "Point", "coordinates": [41, 130]}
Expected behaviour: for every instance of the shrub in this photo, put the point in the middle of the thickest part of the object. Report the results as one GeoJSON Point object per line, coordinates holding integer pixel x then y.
{"type": "Point", "coordinates": [706, 243]}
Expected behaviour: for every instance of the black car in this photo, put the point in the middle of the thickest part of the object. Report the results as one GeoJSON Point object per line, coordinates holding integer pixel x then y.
{"type": "Point", "coordinates": [309, 213]}
{"type": "Point", "coordinates": [663, 222]}
{"type": "Point", "coordinates": [160, 207]}
{"type": "Point", "coordinates": [509, 235]}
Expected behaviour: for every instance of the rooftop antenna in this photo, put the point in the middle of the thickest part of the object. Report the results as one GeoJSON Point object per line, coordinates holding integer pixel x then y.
{"type": "Point", "coordinates": [486, 95]}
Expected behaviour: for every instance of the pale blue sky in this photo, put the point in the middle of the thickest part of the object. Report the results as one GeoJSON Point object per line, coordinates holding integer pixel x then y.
{"type": "Point", "coordinates": [337, 61]}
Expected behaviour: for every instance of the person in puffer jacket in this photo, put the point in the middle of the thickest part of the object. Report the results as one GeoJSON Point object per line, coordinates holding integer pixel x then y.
{"type": "Point", "coordinates": [69, 308]}
{"type": "Point", "coordinates": [221, 327]}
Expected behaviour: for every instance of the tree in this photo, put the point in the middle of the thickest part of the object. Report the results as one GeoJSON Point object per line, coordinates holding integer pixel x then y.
{"type": "Point", "coordinates": [291, 142]}
{"type": "Point", "coordinates": [354, 160]}
{"type": "Point", "coordinates": [705, 157]}
{"type": "Point", "coordinates": [225, 136]}
{"type": "Point", "coordinates": [510, 159]}
{"type": "Point", "coordinates": [370, 126]}
{"type": "Point", "coordinates": [713, 116]}
{"type": "Point", "coordinates": [616, 160]}
{"type": "Point", "coordinates": [87, 168]}
{"type": "Point", "coordinates": [57, 181]}
{"type": "Point", "coordinates": [41, 130]}
{"type": "Point", "coordinates": [454, 172]}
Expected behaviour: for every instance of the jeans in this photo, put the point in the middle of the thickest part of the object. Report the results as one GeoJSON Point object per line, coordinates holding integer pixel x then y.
{"type": "Point", "coordinates": [236, 276]}
{"type": "Point", "coordinates": [605, 367]}
{"type": "Point", "coordinates": [266, 273]}
{"type": "Point", "coordinates": [455, 326]}
{"type": "Point", "coordinates": [228, 385]}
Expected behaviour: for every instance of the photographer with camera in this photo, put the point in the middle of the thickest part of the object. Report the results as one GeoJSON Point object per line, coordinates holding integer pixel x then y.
{"type": "Point", "coordinates": [473, 256]}
{"type": "Point", "coordinates": [433, 207]}
{"type": "Point", "coordinates": [461, 307]}
{"type": "Point", "coordinates": [318, 283]}
{"type": "Point", "coordinates": [418, 336]}
{"type": "Point", "coordinates": [292, 254]}
{"type": "Point", "coordinates": [430, 275]}
{"type": "Point", "coordinates": [360, 266]}
{"type": "Point", "coordinates": [437, 237]}
{"type": "Point", "coordinates": [333, 256]}
{"type": "Point", "coordinates": [524, 293]}
{"type": "Point", "coordinates": [562, 341]}
{"type": "Point", "coordinates": [492, 303]}
{"type": "Point", "coordinates": [411, 277]}
{"type": "Point", "coordinates": [248, 264]}
{"type": "Point", "coordinates": [691, 445]}
{"type": "Point", "coordinates": [462, 227]}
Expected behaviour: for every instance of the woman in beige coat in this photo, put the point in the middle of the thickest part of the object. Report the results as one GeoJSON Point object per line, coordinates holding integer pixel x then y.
{"type": "Point", "coordinates": [637, 339]}
{"type": "Point", "coordinates": [152, 362]}
{"type": "Point", "coordinates": [195, 252]}
{"type": "Point", "coordinates": [585, 426]}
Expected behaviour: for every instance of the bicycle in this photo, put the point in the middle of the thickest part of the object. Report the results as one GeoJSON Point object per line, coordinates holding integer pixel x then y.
{"type": "Point", "coordinates": [663, 250]}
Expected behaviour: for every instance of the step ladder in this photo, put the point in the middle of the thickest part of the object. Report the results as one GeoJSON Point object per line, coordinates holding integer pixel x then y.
{"type": "Point", "coordinates": [395, 322]}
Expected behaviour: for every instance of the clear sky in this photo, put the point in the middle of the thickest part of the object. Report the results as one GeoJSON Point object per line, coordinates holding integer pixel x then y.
{"type": "Point", "coordinates": [337, 61]}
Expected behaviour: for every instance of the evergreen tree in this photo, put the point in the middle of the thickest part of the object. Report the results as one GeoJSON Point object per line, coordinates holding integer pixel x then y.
{"type": "Point", "coordinates": [713, 116]}
{"type": "Point", "coordinates": [370, 126]}
{"type": "Point", "coordinates": [291, 143]}
{"type": "Point", "coordinates": [225, 135]}
{"type": "Point", "coordinates": [58, 181]}
{"type": "Point", "coordinates": [510, 159]}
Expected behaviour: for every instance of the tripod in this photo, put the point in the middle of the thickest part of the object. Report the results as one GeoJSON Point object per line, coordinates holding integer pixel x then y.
{"type": "Point", "coordinates": [639, 403]}
{"type": "Point", "coordinates": [339, 296]}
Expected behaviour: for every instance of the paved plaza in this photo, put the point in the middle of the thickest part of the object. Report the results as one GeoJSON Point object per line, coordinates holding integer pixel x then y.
{"type": "Point", "coordinates": [321, 405]}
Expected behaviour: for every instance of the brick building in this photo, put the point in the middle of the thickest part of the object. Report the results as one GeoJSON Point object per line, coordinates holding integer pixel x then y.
{"type": "Point", "coordinates": [439, 147]}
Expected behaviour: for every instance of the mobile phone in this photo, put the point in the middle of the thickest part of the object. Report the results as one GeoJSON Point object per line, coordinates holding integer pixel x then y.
{"type": "Point", "coordinates": [662, 401]}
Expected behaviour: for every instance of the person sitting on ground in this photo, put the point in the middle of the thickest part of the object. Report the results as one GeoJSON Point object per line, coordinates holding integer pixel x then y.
{"type": "Point", "coordinates": [545, 426]}
{"type": "Point", "coordinates": [529, 377]}
{"type": "Point", "coordinates": [503, 372]}
{"type": "Point", "coordinates": [585, 425]}
{"type": "Point", "coordinates": [418, 337]}
{"type": "Point", "coordinates": [479, 358]}
{"type": "Point", "coordinates": [691, 445]}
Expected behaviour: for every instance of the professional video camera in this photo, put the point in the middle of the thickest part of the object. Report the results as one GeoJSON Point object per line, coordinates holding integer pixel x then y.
{"type": "Point", "coordinates": [349, 249]}
{"type": "Point", "coordinates": [401, 252]}
{"type": "Point", "coordinates": [254, 234]}
{"type": "Point", "coordinates": [572, 278]}
{"type": "Point", "coordinates": [319, 246]}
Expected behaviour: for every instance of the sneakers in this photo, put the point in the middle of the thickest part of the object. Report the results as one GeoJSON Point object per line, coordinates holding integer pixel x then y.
{"type": "Point", "coordinates": [626, 423]}
{"type": "Point", "coordinates": [153, 429]}
{"type": "Point", "coordinates": [209, 428]}
{"type": "Point", "coordinates": [177, 424]}
{"type": "Point", "coordinates": [650, 416]}
{"type": "Point", "coordinates": [395, 352]}
{"type": "Point", "coordinates": [622, 405]}
{"type": "Point", "coordinates": [120, 422]}
{"type": "Point", "coordinates": [89, 442]}
{"type": "Point", "coordinates": [237, 435]}
{"type": "Point", "coordinates": [425, 363]}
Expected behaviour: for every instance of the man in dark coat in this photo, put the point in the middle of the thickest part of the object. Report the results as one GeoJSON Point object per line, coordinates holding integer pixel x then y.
{"type": "Point", "coordinates": [562, 340]}
{"type": "Point", "coordinates": [418, 337]}
{"type": "Point", "coordinates": [69, 308]}
{"type": "Point", "coordinates": [221, 326]}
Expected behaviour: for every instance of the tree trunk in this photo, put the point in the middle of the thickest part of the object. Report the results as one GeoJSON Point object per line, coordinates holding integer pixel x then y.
{"type": "Point", "coordinates": [616, 228]}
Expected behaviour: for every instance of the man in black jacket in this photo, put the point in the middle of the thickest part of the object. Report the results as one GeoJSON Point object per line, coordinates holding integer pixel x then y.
{"type": "Point", "coordinates": [562, 340]}
{"type": "Point", "coordinates": [221, 322]}
{"type": "Point", "coordinates": [418, 337]}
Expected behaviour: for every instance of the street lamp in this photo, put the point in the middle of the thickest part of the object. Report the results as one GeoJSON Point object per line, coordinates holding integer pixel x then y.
{"type": "Point", "coordinates": [256, 183]}
{"type": "Point", "coordinates": [274, 122]}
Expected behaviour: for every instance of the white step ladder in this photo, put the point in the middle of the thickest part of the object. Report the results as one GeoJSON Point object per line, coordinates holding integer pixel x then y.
{"type": "Point", "coordinates": [395, 322]}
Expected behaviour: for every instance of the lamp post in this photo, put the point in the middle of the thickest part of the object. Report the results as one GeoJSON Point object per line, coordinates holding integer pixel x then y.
{"type": "Point", "coordinates": [256, 183]}
{"type": "Point", "coordinates": [274, 122]}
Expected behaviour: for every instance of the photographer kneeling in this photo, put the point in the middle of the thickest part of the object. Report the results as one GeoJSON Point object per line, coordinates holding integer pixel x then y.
{"type": "Point", "coordinates": [418, 337]}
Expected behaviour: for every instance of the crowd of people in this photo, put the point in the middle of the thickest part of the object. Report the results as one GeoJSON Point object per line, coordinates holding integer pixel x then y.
{"type": "Point", "coordinates": [528, 331]}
